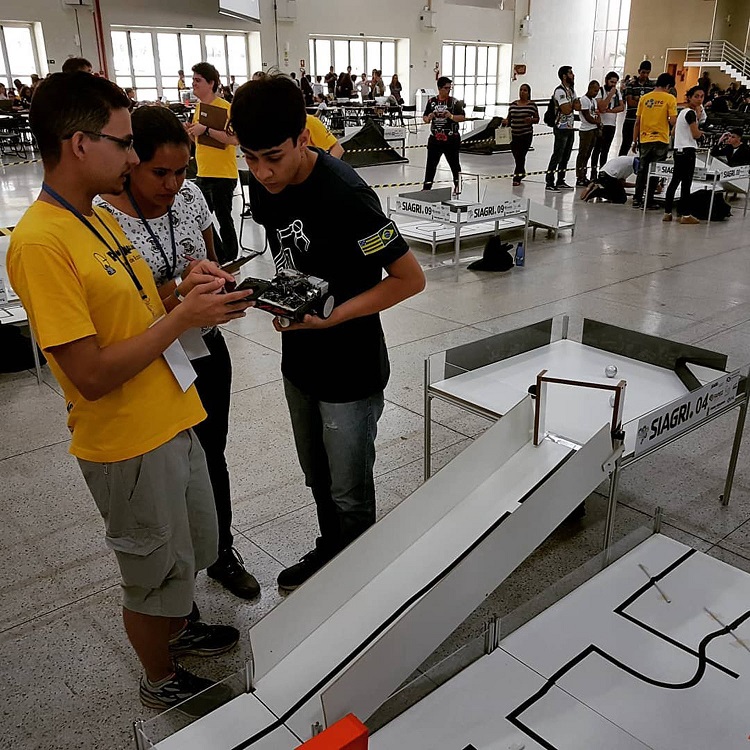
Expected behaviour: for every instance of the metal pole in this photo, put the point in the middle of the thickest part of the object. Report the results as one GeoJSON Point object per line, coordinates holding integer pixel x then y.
{"type": "Point", "coordinates": [609, 529]}
{"type": "Point", "coordinates": [457, 244]}
{"type": "Point", "coordinates": [658, 516]}
{"type": "Point", "coordinates": [747, 191]}
{"type": "Point", "coordinates": [735, 452]}
{"type": "Point", "coordinates": [645, 197]}
{"type": "Point", "coordinates": [713, 195]}
{"type": "Point", "coordinates": [35, 352]}
{"type": "Point", "coordinates": [427, 421]}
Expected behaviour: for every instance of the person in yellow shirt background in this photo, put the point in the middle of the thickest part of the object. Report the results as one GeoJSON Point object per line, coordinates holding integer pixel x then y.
{"type": "Point", "coordinates": [321, 137]}
{"type": "Point", "coordinates": [217, 167]}
{"type": "Point", "coordinates": [111, 342]}
{"type": "Point", "coordinates": [655, 117]}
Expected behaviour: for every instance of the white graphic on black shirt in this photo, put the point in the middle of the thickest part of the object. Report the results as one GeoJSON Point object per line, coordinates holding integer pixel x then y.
{"type": "Point", "coordinates": [291, 238]}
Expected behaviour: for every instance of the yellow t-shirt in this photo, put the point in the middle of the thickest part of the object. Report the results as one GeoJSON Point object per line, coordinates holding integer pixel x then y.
{"type": "Point", "coordinates": [215, 162]}
{"type": "Point", "coordinates": [71, 288]}
{"type": "Point", "coordinates": [320, 135]}
{"type": "Point", "coordinates": [654, 109]}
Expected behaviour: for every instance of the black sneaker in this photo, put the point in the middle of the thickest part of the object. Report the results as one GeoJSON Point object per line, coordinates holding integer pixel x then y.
{"type": "Point", "coordinates": [552, 189]}
{"type": "Point", "coordinates": [564, 186]}
{"type": "Point", "coordinates": [185, 690]}
{"type": "Point", "coordinates": [291, 578]}
{"type": "Point", "coordinates": [229, 571]}
{"type": "Point", "coordinates": [200, 639]}
{"type": "Point", "coordinates": [582, 183]}
{"type": "Point", "coordinates": [637, 204]}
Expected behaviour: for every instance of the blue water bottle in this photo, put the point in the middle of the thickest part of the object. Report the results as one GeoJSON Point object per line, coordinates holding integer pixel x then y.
{"type": "Point", "coordinates": [520, 255]}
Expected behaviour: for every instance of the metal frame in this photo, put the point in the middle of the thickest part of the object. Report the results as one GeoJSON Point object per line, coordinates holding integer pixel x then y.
{"type": "Point", "coordinates": [621, 462]}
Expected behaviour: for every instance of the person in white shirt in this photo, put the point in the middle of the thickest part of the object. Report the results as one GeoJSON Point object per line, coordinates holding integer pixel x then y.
{"type": "Point", "coordinates": [610, 104]}
{"type": "Point", "coordinates": [317, 87]}
{"type": "Point", "coordinates": [588, 131]}
{"type": "Point", "coordinates": [686, 135]}
{"type": "Point", "coordinates": [564, 130]}
{"type": "Point", "coordinates": [364, 88]}
{"type": "Point", "coordinates": [612, 180]}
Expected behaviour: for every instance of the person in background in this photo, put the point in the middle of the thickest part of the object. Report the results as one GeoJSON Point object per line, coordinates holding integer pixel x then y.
{"type": "Point", "coordinates": [217, 167]}
{"type": "Point", "coordinates": [522, 116]}
{"type": "Point", "coordinates": [307, 89]}
{"type": "Point", "coordinates": [77, 65]}
{"type": "Point", "coordinates": [720, 103]}
{"type": "Point", "coordinates": [97, 315]}
{"type": "Point", "coordinates": [130, 93]}
{"type": "Point", "coordinates": [181, 83]}
{"type": "Point", "coordinates": [377, 84]}
{"type": "Point", "coordinates": [705, 82]}
{"type": "Point", "coordinates": [364, 88]}
{"type": "Point", "coordinates": [344, 87]}
{"type": "Point", "coordinates": [638, 87]}
{"type": "Point", "coordinates": [321, 106]}
{"type": "Point", "coordinates": [566, 102]}
{"type": "Point", "coordinates": [731, 150]}
{"type": "Point", "coordinates": [588, 131]}
{"type": "Point", "coordinates": [610, 104]}
{"type": "Point", "coordinates": [293, 76]}
{"type": "Point", "coordinates": [232, 84]}
{"type": "Point", "coordinates": [443, 113]}
{"type": "Point", "coordinates": [24, 97]}
{"type": "Point", "coordinates": [330, 80]}
{"type": "Point", "coordinates": [226, 94]}
{"type": "Point", "coordinates": [3, 92]}
{"type": "Point", "coordinates": [612, 180]}
{"type": "Point", "coordinates": [334, 370]}
{"type": "Point", "coordinates": [35, 81]}
{"type": "Point", "coordinates": [396, 88]}
{"type": "Point", "coordinates": [656, 115]}
{"type": "Point", "coordinates": [168, 221]}
{"type": "Point", "coordinates": [318, 86]}
{"type": "Point", "coordinates": [686, 136]}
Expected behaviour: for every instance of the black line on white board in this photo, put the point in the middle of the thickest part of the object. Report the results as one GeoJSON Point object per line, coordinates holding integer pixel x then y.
{"type": "Point", "coordinates": [513, 717]}
{"type": "Point", "coordinates": [286, 715]}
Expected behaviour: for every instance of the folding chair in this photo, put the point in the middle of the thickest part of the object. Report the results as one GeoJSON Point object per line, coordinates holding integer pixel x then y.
{"type": "Point", "coordinates": [247, 214]}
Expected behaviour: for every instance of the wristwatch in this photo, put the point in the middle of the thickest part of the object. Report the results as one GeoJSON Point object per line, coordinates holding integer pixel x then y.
{"type": "Point", "coordinates": [205, 132]}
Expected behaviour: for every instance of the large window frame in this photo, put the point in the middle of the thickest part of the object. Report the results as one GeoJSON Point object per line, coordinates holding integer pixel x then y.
{"type": "Point", "coordinates": [474, 69]}
{"type": "Point", "coordinates": [610, 40]}
{"type": "Point", "coordinates": [155, 78]}
{"type": "Point", "coordinates": [9, 70]}
{"type": "Point", "coordinates": [362, 53]}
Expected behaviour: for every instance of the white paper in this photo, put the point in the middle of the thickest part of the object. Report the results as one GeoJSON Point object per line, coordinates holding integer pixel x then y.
{"type": "Point", "coordinates": [179, 364]}
{"type": "Point", "coordinates": [193, 344]}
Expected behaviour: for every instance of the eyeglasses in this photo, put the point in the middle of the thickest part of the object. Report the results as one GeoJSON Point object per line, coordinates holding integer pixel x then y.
{"type": "Point", "coordinates": [125, 143]}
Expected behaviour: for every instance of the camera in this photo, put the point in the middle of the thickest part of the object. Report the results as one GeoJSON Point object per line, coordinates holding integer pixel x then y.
{"type": "Point", "coordinates": [290, 295]}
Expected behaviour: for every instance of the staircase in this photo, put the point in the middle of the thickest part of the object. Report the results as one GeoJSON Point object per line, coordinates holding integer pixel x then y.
{"type": "Point", "coordinates": [720, 54]}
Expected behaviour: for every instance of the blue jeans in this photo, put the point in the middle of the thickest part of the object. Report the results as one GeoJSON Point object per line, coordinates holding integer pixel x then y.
{"type": "Point", "coordinates": [336, 450]}
{"type": "Point", "coordinates": [560, 155]}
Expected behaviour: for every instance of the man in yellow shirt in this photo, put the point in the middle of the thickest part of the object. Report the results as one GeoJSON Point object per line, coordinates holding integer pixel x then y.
{"type": "Point", "coordinates": [217, 163]}
{"type": "Point", "coordinates": [321, 137]}
{"type": "Point", "coordinates": [656, 115]}
{"type": "Point", "coordinates": [112, 345]}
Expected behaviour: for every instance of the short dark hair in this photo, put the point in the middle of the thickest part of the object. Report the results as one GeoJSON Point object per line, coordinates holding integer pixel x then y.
{"type": "Point", "coordinates": [692, 90]}
{"type": "Point", "coordinates": [563, 71]}
{"type": "Point", "coordinates": [267, 112]}
{"type": "Point", "coordinates": [155, 126]}
{"type": "Point", "coordinates": [76, 64]}
{"type": "Point", "coordinates": [735, 131]}
{"type": "Point", "coordinates": [65, 103]}
{"type": "Point", "coordinates": [645, 65]}
{"type": "Point", "coordinates": [443, 81]}
{"type": "Point", "coordinates": [208, 72]}
{"type": "Point", "coordinates": [665, 80]}
{"type": "Point", "coordinates": [612, 74]}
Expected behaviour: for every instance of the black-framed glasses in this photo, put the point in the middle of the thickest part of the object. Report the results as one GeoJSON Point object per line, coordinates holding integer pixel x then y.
{"type": "Point", "coordinates": [125, 143]}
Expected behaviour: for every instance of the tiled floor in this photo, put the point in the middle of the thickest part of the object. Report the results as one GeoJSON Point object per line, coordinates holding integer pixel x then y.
{"type": "Point", "coordinates": [68, 675]}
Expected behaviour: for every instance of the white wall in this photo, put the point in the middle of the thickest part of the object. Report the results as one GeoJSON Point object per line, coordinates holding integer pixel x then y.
{"type": "Point", "coordinates": [562, 34]}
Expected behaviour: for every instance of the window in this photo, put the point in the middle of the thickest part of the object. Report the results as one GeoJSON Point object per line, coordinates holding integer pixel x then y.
{"type": "Point", "coordinates": [610, 38]}
{"type": "Point", "coordinates": [18, 56]}
{"type": "Point", "coordinates": [361, 54]}
{"type": "Point", "coordinates": [474, 71]}
{"type": "Point", "coordinates": [149, 60]}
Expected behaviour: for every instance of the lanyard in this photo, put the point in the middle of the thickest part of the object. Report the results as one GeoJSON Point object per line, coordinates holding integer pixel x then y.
{"type": "Point", "coordinates": [118, 254]}
{"type": "Point", "coordinates": [170, 269]}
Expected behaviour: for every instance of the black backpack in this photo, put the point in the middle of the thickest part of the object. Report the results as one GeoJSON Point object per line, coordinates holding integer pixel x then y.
{"type": "Point", "coordinates": [550, 114]}
{"type": "Point", "coordinates": [700, 201]}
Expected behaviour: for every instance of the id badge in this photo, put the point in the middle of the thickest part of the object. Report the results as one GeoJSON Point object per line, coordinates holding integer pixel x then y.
{"type": "Point", "coordinates": [179, 363]}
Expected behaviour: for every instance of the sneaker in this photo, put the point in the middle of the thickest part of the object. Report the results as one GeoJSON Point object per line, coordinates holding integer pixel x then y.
{"type": "Point", "coordinates": [516, 183]}
{"type": "Point", "coordinates": [564, 186]}
{"type": "Point", "coordinates": [667, 217]}
{"type": "Point", "coordinates": [199, 639]}
{"type": "Point", "coordinates": [582, 183]}
{"type": "Point", "coordinates": [293, 577]}
{"type": "Point", "coordinates": [229, 571]}
{"type": "Point", "coordinates": [653, 207]}
{"type": "Point", "coordinates": [181, 687]}
{"type": "Point", "coordinates": [689, 220]}
{"type": "Point", "coordinates": [637, 204]}
{"type": "Point", "coordinates": [552, 188]}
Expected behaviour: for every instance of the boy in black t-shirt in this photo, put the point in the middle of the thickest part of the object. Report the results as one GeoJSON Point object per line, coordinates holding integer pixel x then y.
{"type": "Point", "coordinates": [443, 113]}
{"type": "Point", "coordinates": [335, 369]}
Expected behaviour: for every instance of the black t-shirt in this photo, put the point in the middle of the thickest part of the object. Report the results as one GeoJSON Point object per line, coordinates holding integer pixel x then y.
{"type": "Point", "coordinates": [441, 125]}
{"type": "Point", "coordinates": [637, 89]}
{"type": "Point", "coordinates": [347, 362]}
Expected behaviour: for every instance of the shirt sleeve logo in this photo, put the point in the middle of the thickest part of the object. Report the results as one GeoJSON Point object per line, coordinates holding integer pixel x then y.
{"type": "Point", "coordinates": [376, 242]}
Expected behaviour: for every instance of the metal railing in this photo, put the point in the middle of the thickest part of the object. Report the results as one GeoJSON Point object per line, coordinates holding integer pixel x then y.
{"type": "Point", "coordinates": [716, 52]}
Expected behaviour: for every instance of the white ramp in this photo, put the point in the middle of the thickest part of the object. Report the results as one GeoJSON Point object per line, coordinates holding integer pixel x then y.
{"type": "Point", "coordinates": [411, 579]}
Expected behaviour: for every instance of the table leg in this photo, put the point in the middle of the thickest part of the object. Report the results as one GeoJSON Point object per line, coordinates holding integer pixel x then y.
{"type": "Point", "coordinates": [457, 245]}
{"type": "Point", "coordinates": [711, 202]}
{"type": "Point", "coordinates": [735, 453]}
{"type": "Point", "coordinates": [427, 422]}
{"type": "Point", "coordinates": [609, 528]}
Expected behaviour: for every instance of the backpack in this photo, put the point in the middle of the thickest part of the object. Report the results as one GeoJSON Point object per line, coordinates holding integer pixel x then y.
{"type": "Point", "coordinates": [700, 200]}
{"type": "Point", "coordinates": [550, 114]}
